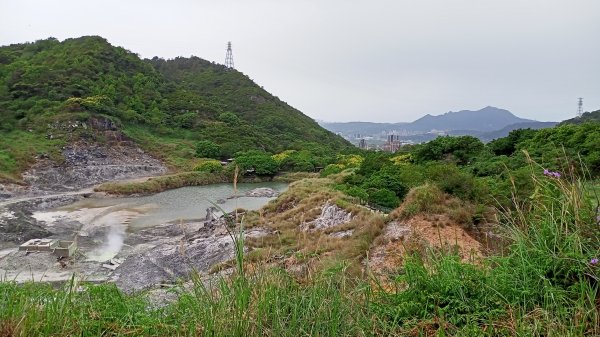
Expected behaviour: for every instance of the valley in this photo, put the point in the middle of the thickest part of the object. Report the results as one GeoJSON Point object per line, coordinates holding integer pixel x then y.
{"type": "Point", "coordinates": [201, 204]}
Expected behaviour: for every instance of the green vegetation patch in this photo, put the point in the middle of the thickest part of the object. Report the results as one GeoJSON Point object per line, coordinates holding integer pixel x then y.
{"type": "Point", "coordinates": [162, 183]}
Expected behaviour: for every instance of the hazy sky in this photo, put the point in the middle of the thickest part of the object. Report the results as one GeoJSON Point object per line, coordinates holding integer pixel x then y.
{"type": "Point", "coordinates": [343, 60]}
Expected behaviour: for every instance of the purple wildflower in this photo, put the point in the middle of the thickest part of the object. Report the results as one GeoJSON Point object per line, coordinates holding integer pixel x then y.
{"type": "Point", "coordinates": [549, 173]}
{"type": "Point", "coordinates": [594, 261]}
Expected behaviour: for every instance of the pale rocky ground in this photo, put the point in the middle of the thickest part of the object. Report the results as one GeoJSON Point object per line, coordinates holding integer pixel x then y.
{"type": "Point", "coordinates": [141, 259]}
{"type": "Point", "coordinates": [420, 233]}
{"type": "Point", "coordinates": [157, 255]}
{"type": "Point", "coordinates": [49, 184]}
{"type": "Point", "coordinates": [107, 249]}
{"type": "Point", "coordinates": [331, 216]}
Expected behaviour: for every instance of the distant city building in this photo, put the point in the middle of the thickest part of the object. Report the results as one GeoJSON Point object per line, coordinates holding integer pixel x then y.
{"type": "Point", "coordinates": [362, 144]}
{"type": "Point", "coordinates": [393, 138]}
{"type": "Point", "coordinates": [393, 143]}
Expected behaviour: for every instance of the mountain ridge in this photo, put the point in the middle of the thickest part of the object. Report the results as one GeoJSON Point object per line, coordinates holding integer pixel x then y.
{"type": "Point", "coordinates": [469, 122]}
{"type": "Point", "coordinates": [164, 106]}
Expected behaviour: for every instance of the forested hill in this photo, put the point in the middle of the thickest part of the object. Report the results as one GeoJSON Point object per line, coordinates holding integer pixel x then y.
{"type": "Point", "coordinates": [180, 101]}
{"type": "Point", "coordinates": [590, 116]}
{"type": "Point", "coordinates": [233, 98]}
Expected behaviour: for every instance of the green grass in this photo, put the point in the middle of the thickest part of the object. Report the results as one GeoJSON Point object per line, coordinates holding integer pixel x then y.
{"type": "Point", "coordinates": [270, 303]}
{"type": "Point", "coordinates": [177, 180]}
{"type": "Point", "coordinates": [163, 183]}
{"type": "Point", "coordinates": [545, 285]}
{"type": "Point", "coordinates": [18, 150]}
{"type": "Point", "coordinates": [177, 151]}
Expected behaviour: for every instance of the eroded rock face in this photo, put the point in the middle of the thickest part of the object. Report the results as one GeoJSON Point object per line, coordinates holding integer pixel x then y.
{"type": "Point", "coordinates": [169, 261]}
{"type": "Point", "coordinates": [88, 164]}
{"type": "Point", "coordinates": [331, 215]}
{"type": "Point", "coordinates": [175, 257]}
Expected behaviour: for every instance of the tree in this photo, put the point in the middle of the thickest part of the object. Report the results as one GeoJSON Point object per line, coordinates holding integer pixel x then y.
{"type": "Point", "coordinates": [207, 149]}
{"type": "Point", "coordinates": [261, 162]}
{"type": "Point", "coordinates": [383, 197]}
{"type": "Point", "coordinates": [229, 118]}
{"type": "Point", "coordinates": [459, 149]}
{"type": "Point", "coordinates": [508, 145]}
{"type": "Point", "coordinates": [387, 178]}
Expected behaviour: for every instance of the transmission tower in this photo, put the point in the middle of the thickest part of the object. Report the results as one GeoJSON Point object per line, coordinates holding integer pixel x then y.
{"type": "Point", "coordinates": [229, 57]}
{"type": "Point", "coordinates": [580, 107]}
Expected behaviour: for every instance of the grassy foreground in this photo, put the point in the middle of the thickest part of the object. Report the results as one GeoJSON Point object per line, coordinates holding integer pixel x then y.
{"type": "Point", "coordinates": [545, 285]}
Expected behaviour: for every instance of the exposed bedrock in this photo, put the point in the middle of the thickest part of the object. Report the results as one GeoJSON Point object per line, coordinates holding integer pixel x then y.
{"type": "Point", "coordinates": [87, 164]}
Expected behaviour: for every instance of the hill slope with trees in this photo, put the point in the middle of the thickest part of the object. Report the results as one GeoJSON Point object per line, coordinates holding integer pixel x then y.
{"type": "Point", "coordinates": [164, 106]}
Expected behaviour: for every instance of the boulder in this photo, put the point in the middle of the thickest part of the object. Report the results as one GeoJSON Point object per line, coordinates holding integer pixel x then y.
{"type": "Point", "coordinates": [331, 215]}
{"type": "Point", "coordinates": [262, 192]}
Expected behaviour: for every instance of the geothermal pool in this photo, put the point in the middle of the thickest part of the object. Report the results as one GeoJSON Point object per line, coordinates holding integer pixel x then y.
{"type": "Point", "coordinates": [106, 222]}
{"type": "Point", "coordinates": [173, 205]}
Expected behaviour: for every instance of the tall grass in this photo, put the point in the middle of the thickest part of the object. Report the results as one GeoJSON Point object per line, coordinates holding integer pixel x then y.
{"type": "Point", "coordinates": [545, 285]}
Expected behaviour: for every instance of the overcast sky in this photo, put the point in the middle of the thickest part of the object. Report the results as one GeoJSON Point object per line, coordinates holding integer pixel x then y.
{"type": "Point", "coordinates": [348, 60]}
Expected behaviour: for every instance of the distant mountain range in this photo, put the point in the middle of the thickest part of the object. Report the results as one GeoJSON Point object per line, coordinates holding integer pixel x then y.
{"type": "Point", "coordinates": [487, 124]}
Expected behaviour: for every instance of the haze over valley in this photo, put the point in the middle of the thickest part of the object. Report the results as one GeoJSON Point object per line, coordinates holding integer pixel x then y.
{"type": "Point", "coordinates": [486, 124]}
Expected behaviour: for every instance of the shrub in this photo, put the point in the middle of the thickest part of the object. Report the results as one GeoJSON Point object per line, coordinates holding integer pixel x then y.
{"type": "Point", "coordinates": [211, 166]}
{"type": "Point", "coordinates": [383, 197]}
{"type": "Point", "coordinates": [298, 161]}
{"type": "Point", "coordinates": [387, 178]}
{"type": "Point", "coordinates": [423, 199]}
{"type": "Point", "coordinates": [456, 149]}
{"type": "Point", "coordinates": [230, 118]}
{"type": "Point", "coordinates": [207, 149]}
{"type": "Point", "coordinates": [357, 192]}
{"type": "Point", "coordinates": [261, 162]}
{"type": "Point", "coordinates": [452, 180]}
{"type": "Point", "coordinates": [332, 169]}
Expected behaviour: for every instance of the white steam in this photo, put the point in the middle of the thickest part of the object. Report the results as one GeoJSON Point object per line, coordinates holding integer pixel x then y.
{"type": "Point", "coordinates": [111, 246]}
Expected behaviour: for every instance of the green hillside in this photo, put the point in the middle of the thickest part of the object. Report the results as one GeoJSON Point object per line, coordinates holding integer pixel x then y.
{"type": "Point", "coordinates": [166, 106]}
{"type": "Point", "coordinates": [590, 116]}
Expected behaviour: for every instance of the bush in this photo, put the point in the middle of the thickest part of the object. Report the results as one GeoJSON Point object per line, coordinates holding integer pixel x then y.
{"type": "Point", "coordinates": [230, 118]}
{"type": "Point", "coordinates": [452, 180]}
{"type": "Point", "coordinates": [357, 192]}
{"type": "Point", "coordinates": [332, 169]}
{"type": "Point", "coordinates": [373, 162]}
{"type": "Point", "coordinates": [423, 199]}
{"type": "Point", "coordinates": [383, 197]}
{"type": "Point", "coordinates": [298, 161]}
{"type": "Point", "coordinates": [211, 166]}
{"type": "Point", "coordinates": [207, 149]}
{"type": "Point", "coordinates": [387, 178]}
{"type": "Point", "coordinates": [455, 149]}
{"type": "Point", "coordinates": [261, 162]}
